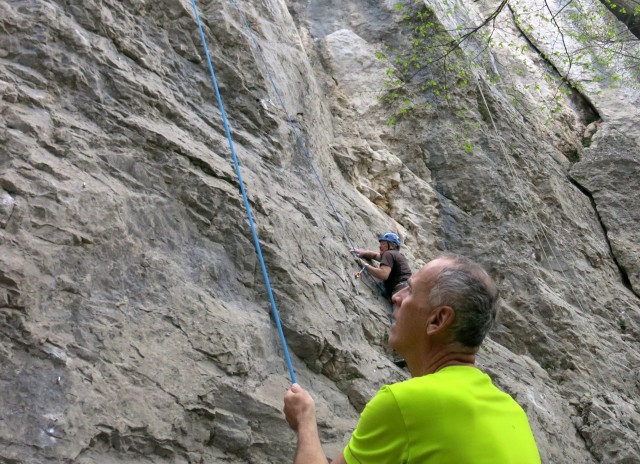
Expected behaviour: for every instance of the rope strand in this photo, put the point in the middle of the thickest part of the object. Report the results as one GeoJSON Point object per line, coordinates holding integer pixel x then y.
{"type": "Point", "coordinates": [296, 131]}
{"type": "Point", "coordinates": [300, 140]}
{"type": "Point", "coordinates": [236, 164]}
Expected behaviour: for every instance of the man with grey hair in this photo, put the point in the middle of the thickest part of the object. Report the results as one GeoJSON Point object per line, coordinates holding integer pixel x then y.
{"type": "Point", "coordinates": [449, 411]}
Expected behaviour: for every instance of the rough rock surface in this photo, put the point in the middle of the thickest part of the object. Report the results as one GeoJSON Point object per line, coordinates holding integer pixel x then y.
{"type": "Point", "coordinates": [135, 326]}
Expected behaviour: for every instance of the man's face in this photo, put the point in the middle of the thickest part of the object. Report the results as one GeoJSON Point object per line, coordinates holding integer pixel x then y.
{"type": "Point", "coordinates": [411, 309]}
{"type": "Point", "coordinates": [384, 246]}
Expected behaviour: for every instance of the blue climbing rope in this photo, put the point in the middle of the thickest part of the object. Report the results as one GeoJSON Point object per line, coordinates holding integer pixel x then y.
{"type": "Point", "coordinates": [256, 241]}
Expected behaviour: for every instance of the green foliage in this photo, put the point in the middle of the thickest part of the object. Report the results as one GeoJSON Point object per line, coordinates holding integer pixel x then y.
{"type": "Point", "coordinates": [622, 324]}
{"type": "Point", "coordinates": [603, 41]}
{"type": "Point", "coordinates": [353, 376]}
{"type": "Point", "coordinates": [430, 67]}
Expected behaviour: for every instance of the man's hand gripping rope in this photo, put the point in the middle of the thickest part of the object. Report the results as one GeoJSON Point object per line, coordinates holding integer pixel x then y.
{"type": "Point", "coordinates": [360, 263]}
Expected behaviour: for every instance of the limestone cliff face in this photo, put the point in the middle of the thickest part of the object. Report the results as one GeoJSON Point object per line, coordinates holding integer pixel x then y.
{"type": "Point", "coordinates": [134, 318]}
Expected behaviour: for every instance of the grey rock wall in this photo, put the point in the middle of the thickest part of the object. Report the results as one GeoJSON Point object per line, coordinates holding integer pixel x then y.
{"type": "Point", "coordinates": [134, 318]}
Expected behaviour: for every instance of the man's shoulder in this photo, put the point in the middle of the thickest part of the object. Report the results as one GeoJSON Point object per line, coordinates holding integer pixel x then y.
{"type": "Point", "coordinates": [393, 255]}
{"type": "Point", "coordinates": [452, 385]}
{"type": "Point", "coordinates": [442, 378]}
{"type": "Point", "coordinates": [422, 383]}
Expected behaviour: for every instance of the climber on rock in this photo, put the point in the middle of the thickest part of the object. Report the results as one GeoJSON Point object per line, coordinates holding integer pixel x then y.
{"type": "Point", "coordinates": [449, 410]}
{"type": "Point", "coordinates": [394, 269]}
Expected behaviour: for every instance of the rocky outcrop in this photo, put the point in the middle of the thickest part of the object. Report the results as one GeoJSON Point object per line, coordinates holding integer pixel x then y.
{"type": "Point", "coordinates": [134, 318]}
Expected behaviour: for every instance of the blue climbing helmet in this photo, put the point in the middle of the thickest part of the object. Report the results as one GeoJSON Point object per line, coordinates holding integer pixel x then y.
{"type": "Point", "coordinates": [391, 238]}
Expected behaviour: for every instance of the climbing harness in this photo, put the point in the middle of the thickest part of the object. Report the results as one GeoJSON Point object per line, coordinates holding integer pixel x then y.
{"type": "Point", "coordinates": [254, 233]}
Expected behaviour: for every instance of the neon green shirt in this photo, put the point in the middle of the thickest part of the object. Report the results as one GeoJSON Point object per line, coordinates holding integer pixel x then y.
{"type": "Point", "coordinates": [454, 416]}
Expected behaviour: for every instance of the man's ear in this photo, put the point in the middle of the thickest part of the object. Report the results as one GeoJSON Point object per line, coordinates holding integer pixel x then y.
{"type": "Point", "coordinates": [441, 319]}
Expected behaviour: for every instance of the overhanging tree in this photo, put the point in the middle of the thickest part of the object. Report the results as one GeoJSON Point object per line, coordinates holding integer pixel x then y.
{"type": "Point", "coordinates": [591, 45]}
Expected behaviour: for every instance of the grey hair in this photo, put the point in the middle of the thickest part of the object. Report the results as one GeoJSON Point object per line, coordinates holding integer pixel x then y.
{"type": "Point", "coordinates": [470, 291]}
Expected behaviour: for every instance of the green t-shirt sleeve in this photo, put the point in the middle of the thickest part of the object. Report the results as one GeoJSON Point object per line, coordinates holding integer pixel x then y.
{"type": "Point", "coordinates": [380, 435]}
